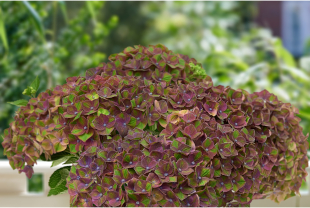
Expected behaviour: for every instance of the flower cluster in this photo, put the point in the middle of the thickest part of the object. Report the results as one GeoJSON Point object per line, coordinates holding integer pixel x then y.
{"type": "Point", "coordinates": [149, 136]}
{"type": "Point", "coordinates": [152, 63]}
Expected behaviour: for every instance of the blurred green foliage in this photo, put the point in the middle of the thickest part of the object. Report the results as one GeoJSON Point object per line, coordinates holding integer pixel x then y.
{"type": "Point", "coordinates": [131, 26]}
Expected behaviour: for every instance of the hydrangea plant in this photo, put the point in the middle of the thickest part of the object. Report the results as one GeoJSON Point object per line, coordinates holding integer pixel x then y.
{"type": "Point", "coordinates": [148, 128]}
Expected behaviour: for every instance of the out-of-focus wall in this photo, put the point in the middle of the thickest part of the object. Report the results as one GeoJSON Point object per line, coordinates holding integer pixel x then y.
{"type": "Point", "coordinates": [288, 20]}
{"type": "Point", "coordinates": [296, 26]}
{"type": "Point", "coordinates": [269, 16]}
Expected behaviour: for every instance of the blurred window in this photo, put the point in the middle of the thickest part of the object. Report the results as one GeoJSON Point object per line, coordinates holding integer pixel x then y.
{"type": "Point", "coordinates": [35, 184]}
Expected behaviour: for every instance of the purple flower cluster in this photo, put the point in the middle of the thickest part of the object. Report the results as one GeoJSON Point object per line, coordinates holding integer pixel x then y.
{"type": "Point", "coordinates": [150, 133]}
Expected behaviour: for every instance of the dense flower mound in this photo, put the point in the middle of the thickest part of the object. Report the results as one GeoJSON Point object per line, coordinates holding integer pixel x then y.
{"type": "Point", "coordinates": [154, 138]}
{"type": "Point", "coordinates": [153, 63]}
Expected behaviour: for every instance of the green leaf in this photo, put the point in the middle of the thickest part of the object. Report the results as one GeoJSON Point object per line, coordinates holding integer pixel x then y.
{"type": "Point", "coordinates": [60, 189]}
{"type": "Point", "coordinates": [19, 103]}
{"type": "Point", "coordinates": [35, 84]}
{"type": "Point", "coordinates": [60, 160]}
{"type": "Point", "coordinates": [71, 160]}
{"type": "Point", "coordinates": [36, 18]}
{"type": "Point", "coordinates": [57, 181]}
{"type": "Point", "coordinates": [55, 156]}
{"type": "Point", "coordinates": [3, 31]}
